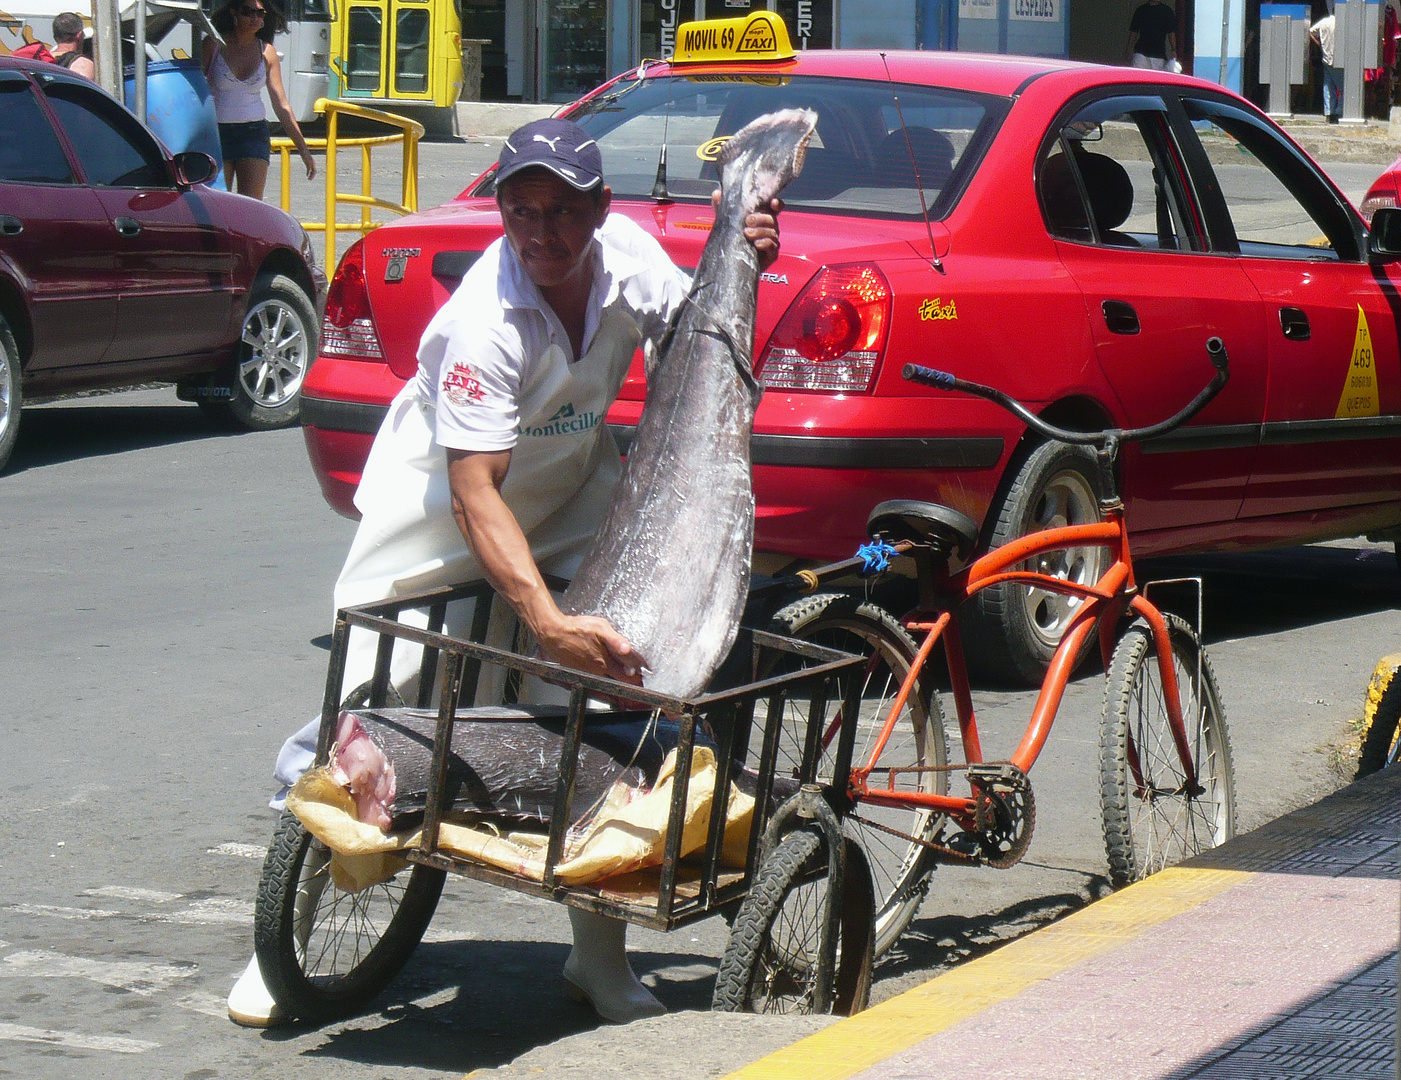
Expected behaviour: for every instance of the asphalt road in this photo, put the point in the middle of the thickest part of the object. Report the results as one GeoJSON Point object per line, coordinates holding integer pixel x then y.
{"type": "Point", "coordinates": [164, 614]}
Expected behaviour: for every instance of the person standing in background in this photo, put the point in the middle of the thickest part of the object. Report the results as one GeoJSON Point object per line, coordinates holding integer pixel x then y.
{"type": "Point", "coordinates": [237, 71]}
{"type": "Point", "coordinates": [1152, 37]}
{"type": "Point", "coordinates": [1323, 34]}
{"type": "Point", "coordinates": [68, 45]}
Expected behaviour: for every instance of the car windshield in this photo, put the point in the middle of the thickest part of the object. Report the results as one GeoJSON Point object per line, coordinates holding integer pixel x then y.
{"type": "Point", "coordinates": [862, 159]}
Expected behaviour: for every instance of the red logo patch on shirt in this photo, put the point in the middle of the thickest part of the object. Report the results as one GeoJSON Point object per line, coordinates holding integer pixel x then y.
{"type": "Point", "coordinates": [460, 385]}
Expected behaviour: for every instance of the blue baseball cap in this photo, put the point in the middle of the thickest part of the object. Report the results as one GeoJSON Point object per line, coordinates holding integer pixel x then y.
{"type": "Point", "coordinates": [561, 146]}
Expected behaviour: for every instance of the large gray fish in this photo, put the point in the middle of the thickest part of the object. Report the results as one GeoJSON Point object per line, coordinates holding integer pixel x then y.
{"type": "Point", "coordinates": [669, 567]}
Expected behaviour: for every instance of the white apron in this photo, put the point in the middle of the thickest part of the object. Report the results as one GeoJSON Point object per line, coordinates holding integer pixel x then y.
{"type": "Point", "coordinates": [563, 470]}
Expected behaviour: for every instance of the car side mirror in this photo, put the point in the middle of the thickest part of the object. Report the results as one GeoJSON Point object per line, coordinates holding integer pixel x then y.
{"type": "Point", "coordinates": [1384, 239]}
{"type": "Point", "coordinates": [194, 167]}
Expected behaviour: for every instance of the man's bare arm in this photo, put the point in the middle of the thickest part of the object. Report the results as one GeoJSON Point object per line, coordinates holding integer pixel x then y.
{"type": "Point", "coordinates": [584, 642]}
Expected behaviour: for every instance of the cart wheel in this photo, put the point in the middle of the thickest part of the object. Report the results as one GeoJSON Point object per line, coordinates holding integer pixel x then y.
{"type": "Point", "coordinates": [324, 952]}
{"type": "Point", "coordinates": [770, 964]}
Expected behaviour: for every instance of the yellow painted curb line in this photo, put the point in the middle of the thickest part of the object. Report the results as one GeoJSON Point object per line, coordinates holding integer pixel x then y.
{"type": "Point", "coordinates": [1377, 686]}
{"type": "Point", "coordinates": [868, 1038]}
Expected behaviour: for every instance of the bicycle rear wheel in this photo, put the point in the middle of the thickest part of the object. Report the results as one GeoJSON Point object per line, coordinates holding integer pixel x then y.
{"type": "Point", "coordinates": [325, 952]}
{"type": "Point", "coordinates": [900, 869]}
{"type": "Point", "coordinates": [1151, 818]}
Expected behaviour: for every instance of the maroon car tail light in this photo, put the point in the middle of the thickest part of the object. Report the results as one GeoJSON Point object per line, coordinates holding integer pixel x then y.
{"type": "Point", "coordinates": [833, 335]}
{"type": "Point", "coordinates": [348, 330]}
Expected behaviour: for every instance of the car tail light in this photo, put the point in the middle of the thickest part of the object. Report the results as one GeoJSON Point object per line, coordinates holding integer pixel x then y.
{"type": "Point", "coordinates": [833, 335]}
{"type": "Point", "coordinates": [348, 330]}
{"type": "Point", "coordinates": [1372, 203]}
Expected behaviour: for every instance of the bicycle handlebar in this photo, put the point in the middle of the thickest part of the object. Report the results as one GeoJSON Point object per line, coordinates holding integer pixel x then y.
{"type": "Point", "coordinates": [943, 380]}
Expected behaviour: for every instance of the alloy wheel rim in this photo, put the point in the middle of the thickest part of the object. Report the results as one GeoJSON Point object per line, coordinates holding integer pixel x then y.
{"type": "Point", "coordinates": [6, 396]}
{"type": "Point", "coordinates": [1066, 500]}
{"type": "Point", "coordinates": [277, 353]}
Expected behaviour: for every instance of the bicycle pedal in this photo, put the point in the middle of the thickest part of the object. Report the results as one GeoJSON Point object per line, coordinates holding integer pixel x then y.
{"type": "Point", "coordinates": [964, 843]}
{"type": "Point", "coordinates": [995, 772]}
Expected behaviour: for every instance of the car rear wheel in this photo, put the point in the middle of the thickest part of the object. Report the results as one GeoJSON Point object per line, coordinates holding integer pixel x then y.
{"type": "Point", "coordinates": [1011, 631]}
{"type": "Point", "coordinates": [275, 352]}
{"type": "Point", "coordinates": [11, 392]}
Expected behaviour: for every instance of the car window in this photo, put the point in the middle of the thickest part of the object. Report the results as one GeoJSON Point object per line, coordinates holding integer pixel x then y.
{"type": "Point", "coordinates": [1113, 176]}
{"type": "Point", "coordinates": [30, 152]}
{"type": "Point", "coordinates": [112, 147]}
{"type": "Point", "coordinates": [862, 159]}
{"type": "Point", "coordinates": [1276, 207]}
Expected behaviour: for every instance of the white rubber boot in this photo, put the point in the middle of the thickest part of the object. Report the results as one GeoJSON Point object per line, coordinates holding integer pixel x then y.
{"type": "Point", "coordinates": [250, 1004]}
{"type": "Point", "coordinates": [598, 974]}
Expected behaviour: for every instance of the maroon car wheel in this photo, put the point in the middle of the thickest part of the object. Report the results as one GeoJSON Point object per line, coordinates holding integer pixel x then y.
{"type": "Point", "coordinates": [277, 347]}
{"type": "Point", "coordinates": [11, 393]}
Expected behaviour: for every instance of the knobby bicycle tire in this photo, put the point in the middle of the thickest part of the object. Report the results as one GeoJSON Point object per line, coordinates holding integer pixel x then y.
{"type": "Point", "coordinates": [1151, 821]}
{"type": "Point", "coordinates": [899, 868]}
{"type": "Point", "coordinates": [770, 962]}
{"type": "Point", "coordinates": [324, 952]}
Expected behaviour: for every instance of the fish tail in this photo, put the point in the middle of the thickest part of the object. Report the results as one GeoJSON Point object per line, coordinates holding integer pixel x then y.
{"type": "Point", "coordinates": [767, 153]}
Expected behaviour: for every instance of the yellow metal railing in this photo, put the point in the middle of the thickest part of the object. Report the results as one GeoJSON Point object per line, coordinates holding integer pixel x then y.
{"type": "Point", "coordinates": [410, 131]}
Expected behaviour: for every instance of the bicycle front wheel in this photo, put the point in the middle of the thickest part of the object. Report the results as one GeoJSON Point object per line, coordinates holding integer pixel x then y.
{"type": "Point", "coordinates": [900, 868]}
{"type": "Point", "coordinates": [325, 952]}
{"type": "Point", "coordinates": [1152, 817]}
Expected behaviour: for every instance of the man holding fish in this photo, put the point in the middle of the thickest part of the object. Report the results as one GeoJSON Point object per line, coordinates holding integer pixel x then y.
{"type": "Point", "coordinates": [495, 462]}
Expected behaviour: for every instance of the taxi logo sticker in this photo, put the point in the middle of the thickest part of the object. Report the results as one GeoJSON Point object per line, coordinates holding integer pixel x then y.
{"type": "Point", "coordinates": [460, 385]}
{"type": "Point", "coordinates": [1360, 388]}
{"type": "Point", "coordinates": [933, 310]}
{"type": "Point", "coordinates": [758, 37]}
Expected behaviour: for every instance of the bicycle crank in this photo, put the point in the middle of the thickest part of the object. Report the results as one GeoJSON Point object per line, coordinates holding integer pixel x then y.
{"type": "Point", "coordinates": [1004, 812]}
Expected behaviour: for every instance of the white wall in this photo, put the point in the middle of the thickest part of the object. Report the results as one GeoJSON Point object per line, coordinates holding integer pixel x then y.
{"type": "Point", "coordinates": [1207, 63]}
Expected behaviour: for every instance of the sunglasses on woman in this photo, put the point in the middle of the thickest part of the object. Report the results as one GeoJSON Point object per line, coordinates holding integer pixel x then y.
{"type": "Point", "coordinates": [253, 13]}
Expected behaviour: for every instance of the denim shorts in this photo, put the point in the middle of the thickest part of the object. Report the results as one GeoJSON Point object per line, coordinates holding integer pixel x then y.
{"type": "Point", "coordinates": [250, 140]}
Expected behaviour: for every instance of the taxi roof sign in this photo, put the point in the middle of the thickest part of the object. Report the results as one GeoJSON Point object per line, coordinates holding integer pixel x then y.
{"type": "Point", "coordinates": [758, 36]}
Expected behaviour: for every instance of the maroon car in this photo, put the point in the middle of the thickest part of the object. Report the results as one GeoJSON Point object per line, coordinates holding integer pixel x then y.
{"type": "Point", "coordinates": [119, 266]}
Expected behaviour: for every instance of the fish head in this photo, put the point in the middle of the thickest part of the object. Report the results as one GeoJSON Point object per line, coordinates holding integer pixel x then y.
{"type": "Point", "coordinates": [759, 160]}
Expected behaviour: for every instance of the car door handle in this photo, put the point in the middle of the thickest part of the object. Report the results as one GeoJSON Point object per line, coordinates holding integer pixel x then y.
{"type": "Point", "coordinates": [1294, 323]}
{"type": "Point", "coordinates": [1119, 317]}
{"type": "Point", "coordinates": [10, 226]}
{"type": "Point", "coordinates": [127, 226]}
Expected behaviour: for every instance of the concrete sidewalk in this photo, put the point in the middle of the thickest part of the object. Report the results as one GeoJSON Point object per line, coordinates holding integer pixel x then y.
{"type": "Point", "coordinates": [1274, 956]}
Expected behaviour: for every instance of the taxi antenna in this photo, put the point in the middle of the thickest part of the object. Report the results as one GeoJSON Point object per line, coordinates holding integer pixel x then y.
{"type": "Point", "coordinates": [919, 184]}
{"type": "Point", "coordinates": [659, 192]}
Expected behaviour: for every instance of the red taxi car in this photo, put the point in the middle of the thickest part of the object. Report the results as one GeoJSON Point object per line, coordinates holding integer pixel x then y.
{"type": "Point", "coordinates": [1071, 234]}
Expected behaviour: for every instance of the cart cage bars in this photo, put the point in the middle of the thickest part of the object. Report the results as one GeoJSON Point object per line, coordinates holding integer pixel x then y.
{"type": "Point", "coordinates": [685, 892]}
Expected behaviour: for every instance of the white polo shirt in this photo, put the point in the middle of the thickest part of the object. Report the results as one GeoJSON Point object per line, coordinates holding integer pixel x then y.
{"type": "Point", "coordinates": [485, 349]}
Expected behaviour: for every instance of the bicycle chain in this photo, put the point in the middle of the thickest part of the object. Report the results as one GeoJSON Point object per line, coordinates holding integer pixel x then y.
{"type": "Point", "coordinates": [1002, 837]}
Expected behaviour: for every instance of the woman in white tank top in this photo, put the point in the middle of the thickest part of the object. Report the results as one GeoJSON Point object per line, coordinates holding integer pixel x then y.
{"type": "Point", "coordinates": [237, 72]}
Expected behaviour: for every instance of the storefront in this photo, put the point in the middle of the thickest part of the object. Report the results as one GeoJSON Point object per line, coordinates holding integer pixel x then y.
{"type": "Point", "coordinates": [555, 50]}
